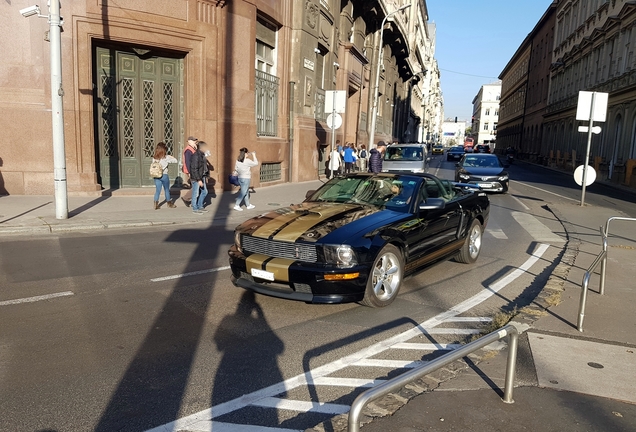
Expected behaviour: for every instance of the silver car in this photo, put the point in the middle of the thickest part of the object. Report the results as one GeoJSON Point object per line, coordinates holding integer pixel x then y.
{"type": "Point", "coordinates": [406, 158]}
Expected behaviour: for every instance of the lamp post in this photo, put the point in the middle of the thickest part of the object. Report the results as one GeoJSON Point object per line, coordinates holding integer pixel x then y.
{"type": "Point", "coordinates": [57, 104]}
{"type": "Point", "coordinates": [374, 112]}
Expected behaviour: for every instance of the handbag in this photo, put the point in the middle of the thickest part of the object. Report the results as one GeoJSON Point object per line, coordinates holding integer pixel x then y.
{"type": "Point", "coordinates": [233, 178]}
{"type": "Point", "coordinates": [156, 170]}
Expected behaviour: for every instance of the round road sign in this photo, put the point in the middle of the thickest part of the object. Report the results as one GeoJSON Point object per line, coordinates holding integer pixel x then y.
{"type": "Point", "coordinates": [589, 178]}
{"type": "Point", "coordinates": [334, 121]}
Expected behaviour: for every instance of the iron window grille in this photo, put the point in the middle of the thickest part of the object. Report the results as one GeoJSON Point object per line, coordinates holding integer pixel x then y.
{"type": "Point", "coordinates": [270, 171]}
{"type": "Point", "coordinates": [266, 104]}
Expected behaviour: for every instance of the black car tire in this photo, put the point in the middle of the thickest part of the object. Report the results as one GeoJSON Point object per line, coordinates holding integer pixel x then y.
{"type": "Point", "coordinates": [385, 278]}
{"type": "Point", "coordinates": [469, 252]}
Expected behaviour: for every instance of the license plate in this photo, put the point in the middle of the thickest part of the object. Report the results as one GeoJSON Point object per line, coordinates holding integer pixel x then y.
{"type": "Point", "coordinates": [262, 274]}
{"type": "Point", "coordinates": [485, 185]}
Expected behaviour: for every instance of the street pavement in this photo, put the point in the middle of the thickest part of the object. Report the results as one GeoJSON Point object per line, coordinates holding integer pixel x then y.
{"type": "Point", "coordinates": [567, 380]}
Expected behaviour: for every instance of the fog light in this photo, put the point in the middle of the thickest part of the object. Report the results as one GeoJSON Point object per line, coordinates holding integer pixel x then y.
{"type": "Point", "coordinates": [344, 276]}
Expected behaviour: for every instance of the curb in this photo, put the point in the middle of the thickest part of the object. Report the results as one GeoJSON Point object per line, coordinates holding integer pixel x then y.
{"type": "Point", "coordinates": [550, 295]}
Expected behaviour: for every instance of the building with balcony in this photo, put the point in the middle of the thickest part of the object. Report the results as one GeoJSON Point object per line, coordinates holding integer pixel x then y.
{"type": "Point", "coordinates": [240, 73]}
{"type": "Point", "coordinates": [486, 113]}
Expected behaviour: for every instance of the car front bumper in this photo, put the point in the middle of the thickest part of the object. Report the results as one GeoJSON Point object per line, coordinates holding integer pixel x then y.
{"type": "Point", "coordinates": [489, 185]}
{"type": "Point", "coordinates": [302, 281]}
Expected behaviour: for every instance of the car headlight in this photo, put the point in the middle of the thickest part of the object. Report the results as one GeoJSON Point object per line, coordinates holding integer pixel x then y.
{"type": "Point", "coordinates": [420, 170]}
{"type": "Point", "coordinates": [237, 240]}
{"type": "Point", "coordinates": [341, 255]}
{"type": "Point", "coordinates": [464, 176]}
{"type": "Point", "coordinates": [503, 178]}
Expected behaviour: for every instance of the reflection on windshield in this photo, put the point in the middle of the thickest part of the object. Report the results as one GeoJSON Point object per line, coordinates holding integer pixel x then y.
{"type": "Point", "coordinates": [404, 154]}
{"type": "Point", "coordinates": [481, 162]}
{"type": "Point", "coordinates": [394, 193]}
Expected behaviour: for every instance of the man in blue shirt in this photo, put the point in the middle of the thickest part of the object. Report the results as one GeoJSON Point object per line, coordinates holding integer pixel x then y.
{"type": "Point", "coordinates": [348, 158]}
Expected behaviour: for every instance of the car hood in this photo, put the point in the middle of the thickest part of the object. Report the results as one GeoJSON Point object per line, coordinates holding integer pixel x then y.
{"type": "Point", "coordinates": [477, 171]}
{"type": "Point", "coordinates": [318, 222]}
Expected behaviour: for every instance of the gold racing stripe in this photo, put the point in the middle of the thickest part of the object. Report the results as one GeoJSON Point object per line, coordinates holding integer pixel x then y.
{"type": "Point", "coordinates": [297, 228]}
{"type": "Point", "coordinates": [255, 261]}
{"type": "Point", "coordinates": [280, 268]}
{"type": "Point", "coordinates": [275, 224]}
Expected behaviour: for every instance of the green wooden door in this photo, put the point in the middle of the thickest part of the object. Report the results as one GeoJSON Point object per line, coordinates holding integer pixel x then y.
{"type": "Point", "coordinates": [137, 105]}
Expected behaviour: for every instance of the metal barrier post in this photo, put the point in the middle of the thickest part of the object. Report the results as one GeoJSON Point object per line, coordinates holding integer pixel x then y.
{"type": "Point", "coordinates": [586, 281]}
{"type": "Point", "coordinates": [601, 286]}
{"type": "Point", "coordinates": [400, 381]}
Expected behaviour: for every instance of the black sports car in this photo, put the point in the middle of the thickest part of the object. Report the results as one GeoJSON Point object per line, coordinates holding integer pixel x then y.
{"type": "Point", "coordinates": [455, 153]}
{"type": "Point", "coordinates": [484, 170]}
{"type": "Point", "coordinates": [356, 237]}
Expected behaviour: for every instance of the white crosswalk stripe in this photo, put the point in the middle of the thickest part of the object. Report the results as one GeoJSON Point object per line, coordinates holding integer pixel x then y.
{"type": "Point", "coordinates": [214, 426]}
{"type": "Point", "coordinates": [302, 406]}
{"type": "Point", "coordinates": [346, 382]}
{"type": "Point", "coordinates": [391, 364]}
{"type": "Point", "coordinates": [426, 346]}
{"type": "Point", "coordinates": [497, 233]}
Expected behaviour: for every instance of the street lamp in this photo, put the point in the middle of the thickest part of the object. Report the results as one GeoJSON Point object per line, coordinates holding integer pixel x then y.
{"type": "Point", "coordinates": [374, 112]}
{"type": "Point", "coordinates": [57, 104]}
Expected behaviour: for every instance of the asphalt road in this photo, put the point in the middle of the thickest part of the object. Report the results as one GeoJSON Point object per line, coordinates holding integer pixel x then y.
{"type": "Point", "coordinates": [119, 351]}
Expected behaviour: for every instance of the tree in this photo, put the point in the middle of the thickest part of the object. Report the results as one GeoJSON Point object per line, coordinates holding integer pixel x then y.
{"type": "Point", "coordinates": [469, 131]}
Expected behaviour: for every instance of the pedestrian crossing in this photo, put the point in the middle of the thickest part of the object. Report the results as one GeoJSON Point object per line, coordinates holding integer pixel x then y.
{"type": "Point", "coordinates": [370, 367]}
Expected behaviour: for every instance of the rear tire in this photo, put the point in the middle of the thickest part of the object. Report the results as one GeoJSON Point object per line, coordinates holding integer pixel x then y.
{"type": "Point", "coordinates": [385, 278]}
{"type": "Point", "coordinates": [469, 252]}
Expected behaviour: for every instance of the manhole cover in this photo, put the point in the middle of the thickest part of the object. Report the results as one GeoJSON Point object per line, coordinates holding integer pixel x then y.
{"type": "Point", "coordinates": [595, 365]}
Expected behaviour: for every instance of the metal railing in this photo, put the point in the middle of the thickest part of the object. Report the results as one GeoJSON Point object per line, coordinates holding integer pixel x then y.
{"type": "Point", "coordinates": [398, 382]}
{"type": "Point", "coordinates": [601, 258]}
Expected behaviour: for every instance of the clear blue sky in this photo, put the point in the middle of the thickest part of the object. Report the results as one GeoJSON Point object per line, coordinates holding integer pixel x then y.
{"type": "Point", "coordinates": [478, 37]}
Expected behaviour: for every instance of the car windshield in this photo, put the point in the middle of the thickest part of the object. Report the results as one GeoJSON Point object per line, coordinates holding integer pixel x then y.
{"type": "Point", "coordinates": [397, 153]}
{"type": "Point", "coordinates": [394, 193]}
{"type": "Point", "coordinates": [457, 149]}
{"type": "Point", "coordinates": [482, 162]}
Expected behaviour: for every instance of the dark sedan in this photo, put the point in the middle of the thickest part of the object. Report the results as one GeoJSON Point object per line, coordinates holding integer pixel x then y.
{"type": "Point", "coordinates": [357, 237]}
{"type": "Point", "coordinates": [455, 153]}
{"type": "Point", "coordinates": [484, 170]}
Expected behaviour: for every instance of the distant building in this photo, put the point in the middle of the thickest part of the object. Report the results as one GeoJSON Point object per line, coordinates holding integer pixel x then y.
{"type": "Point", "coordinates": [453, 133]}
{"type": "Point", "coordinates": [486, 113]}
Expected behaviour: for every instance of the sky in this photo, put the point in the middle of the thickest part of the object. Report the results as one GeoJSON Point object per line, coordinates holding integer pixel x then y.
{"type": "Point", "coordinates": [477, 37]}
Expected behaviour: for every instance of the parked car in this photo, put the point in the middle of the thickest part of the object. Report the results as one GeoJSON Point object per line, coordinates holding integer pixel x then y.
{"type": "Point", "coordinates": [357, 237]}
{"type": "Point", "coordinates": [455, 153]}
{"type": "Point", "coordinates": [483, 170]}
{"type": "Point", "coordinates": [438, 149]}
{"type": "Point", "coordinates": [406, 158]}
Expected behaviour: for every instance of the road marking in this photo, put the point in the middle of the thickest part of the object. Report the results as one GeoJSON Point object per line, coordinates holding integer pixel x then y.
{"type": "Point", "coordinates": [469, 319]}
{"type": "Point", "coordinates": [497, 233]}
{"type": "Point", "coordinates": [546, 191]}
{"type": "Point", "coordinates": [535, 228]}
{"type": "Point", "coordinates": [36, 298]}
{"type": "Point", "coordinates": [212, 426]}
{"type": "Point", "coordinates": [302, 406]}
{"type": "Point", "coordinates": [457, 331]}
{"type": "Point", "coordinates": [194, 273]}
{"type": "Point", "coordinates": [307, 378]}
{"type": "Point", "coordinates": [347, 382]}
{"type": "Point", "coordinates": [525, 207]}
{"type": "Point", "coordinates": [425, 346]}
{"type": "Point", "coordinates": [390, 364]}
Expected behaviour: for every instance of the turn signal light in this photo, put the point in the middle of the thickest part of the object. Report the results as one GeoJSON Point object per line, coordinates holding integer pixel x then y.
{"type": "Point", "coordinates": [344, 276]}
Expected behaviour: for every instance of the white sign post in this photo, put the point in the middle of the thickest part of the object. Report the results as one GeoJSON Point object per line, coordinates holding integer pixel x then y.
{"type": "Point", "coordinates": [592, 106]}
{"type": "Point", "coordinates": [335, 103]}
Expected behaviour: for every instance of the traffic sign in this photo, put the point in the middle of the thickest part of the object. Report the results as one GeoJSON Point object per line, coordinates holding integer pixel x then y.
{"type": "Point", "coordinates": [334, 121]}
{"type": "Point", "coordinates": [335, 100]}
{"type": "Point", "coordinates": [592, 106]}
{"type": "Point", "coordinates": [589, 177]}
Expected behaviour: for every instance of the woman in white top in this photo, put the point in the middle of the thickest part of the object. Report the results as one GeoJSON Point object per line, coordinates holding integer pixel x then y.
{"type": "Point", "coordinates": [243, 166]}
{"type": "Point", "coordinates": [334, 162]}
{"type": "Point", "coordinates": [161, 155]}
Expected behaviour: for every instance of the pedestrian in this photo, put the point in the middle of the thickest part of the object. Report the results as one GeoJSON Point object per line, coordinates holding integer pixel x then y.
{"type": "Point", "coordinates": [362, 158]}
{"type": "Point", "coordinates": [199, 172]}
{"type": "Point", "coordinates": [355, 166]}
{"type": "Point", "coordinates": [243, 166]}
{"type": "Point", "coordinates": [334, 163]}
{"type": "Point", "coordinates": [348, 158]}
{"type": "Point", "coordinates": [375, 158]}
{"type": "Point", "coordinates": [161, 155]}
{"type": "Point", "coordinates": [190, 149]}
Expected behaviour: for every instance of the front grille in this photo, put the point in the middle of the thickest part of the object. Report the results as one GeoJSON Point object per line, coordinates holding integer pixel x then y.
{"type": "Point", "coordinates": [278, 249]}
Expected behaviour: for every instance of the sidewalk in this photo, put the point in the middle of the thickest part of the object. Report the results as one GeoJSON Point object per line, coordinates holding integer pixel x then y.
{"type": "Point", "coordinates": [566, 380]}
{"type": "Point", "coordinates": [27, 214]}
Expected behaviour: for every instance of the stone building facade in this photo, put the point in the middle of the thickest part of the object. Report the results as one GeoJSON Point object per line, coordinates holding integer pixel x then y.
{"type": "Point", "coordinates": [239, 73]}
{"type": "Point", "coordinates": [594, 51]}
{"type": "Point", "coordinates": [486, 113]}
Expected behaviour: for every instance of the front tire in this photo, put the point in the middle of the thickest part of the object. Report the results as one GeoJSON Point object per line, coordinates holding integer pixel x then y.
{"type": "Point", "coordinates": [385, 279]}
{"type": "Point", "coordinates": [469, 252]}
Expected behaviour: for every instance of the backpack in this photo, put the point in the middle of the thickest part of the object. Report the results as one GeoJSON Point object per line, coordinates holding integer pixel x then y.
{"type": "Point", "coordinates": [363, 154]}
{"type": "Point", "coordinates": [156, 170]}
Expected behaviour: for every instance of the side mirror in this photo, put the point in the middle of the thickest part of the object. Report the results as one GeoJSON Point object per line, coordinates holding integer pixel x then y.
{"type": "Point", "coordinates": [309, 194]}
{"type": "Point", "coordinates": [428, 159]}
{"type": "Point", "coordinates": [433, 204]}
